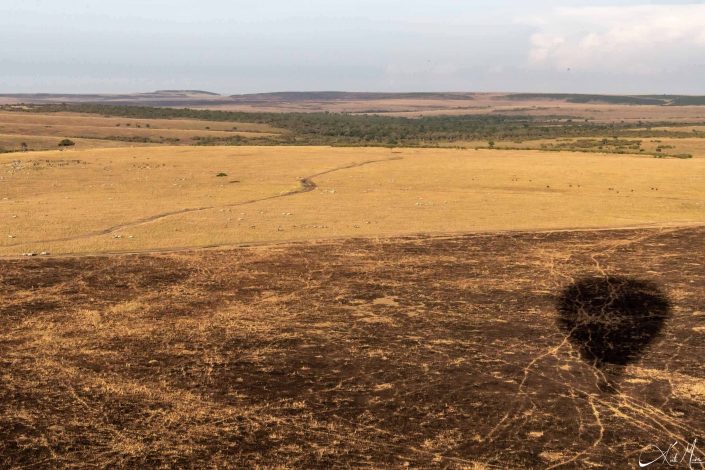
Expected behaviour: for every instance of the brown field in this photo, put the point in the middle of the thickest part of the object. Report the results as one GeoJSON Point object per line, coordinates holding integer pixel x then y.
{"type": "Point", "coordinates": [479, 104]}
{"type": "Point", "coordinates": [96, 132]}
{"type": "Point", "coordinates": [9, 118]}
{"type": "Point", "coordinates": [431, 104]}
{"type": "Point", "coordinates": [416, 108]}
{"type": "Point", "coordinates": [694, 146]}
{"type": "Point", "coordinates": [420, 352]}
{"type": "Point", "coordinates": [13, 143]}
{"type": "Point", "coordinates": [594, 112]}
{"type": "Point", "coordinates": [45, 131]}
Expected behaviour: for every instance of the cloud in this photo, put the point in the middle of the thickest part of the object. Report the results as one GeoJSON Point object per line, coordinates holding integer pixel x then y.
{"type": "Point", "coordinates": [644, 39]}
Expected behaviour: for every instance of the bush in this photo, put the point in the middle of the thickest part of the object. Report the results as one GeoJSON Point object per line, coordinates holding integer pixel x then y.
{"type": "Point", "coordinates": [67, 143]}
{"type": "Point", "coordinates": [221, 174]}
{"type": "Point", "coordinates": [381, 130]}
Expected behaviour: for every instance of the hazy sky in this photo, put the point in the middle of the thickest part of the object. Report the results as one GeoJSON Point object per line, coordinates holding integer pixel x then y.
{"type": "Point", "coordinates": [234, 46]}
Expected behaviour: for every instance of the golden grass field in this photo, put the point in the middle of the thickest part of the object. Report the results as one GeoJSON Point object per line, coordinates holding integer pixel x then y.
{"type": "Point", "coordinates": [159, 198]}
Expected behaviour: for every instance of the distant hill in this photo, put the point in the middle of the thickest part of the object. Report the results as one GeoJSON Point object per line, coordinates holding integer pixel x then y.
{"type": "Point", "coordinates": [654, 100]}
{"type": "Point", "coordinates": [298, 96]}
{"type": "Point", "coordinates": [183, 98]}
{"type": "Point", "coordinates": [680, 100]}
{"type": "Point", "coordinates": [583, 99]}
{"type": "Point", "coordinates": [182, 92]}
{"type": "Point", "coordinates": [408, 104]}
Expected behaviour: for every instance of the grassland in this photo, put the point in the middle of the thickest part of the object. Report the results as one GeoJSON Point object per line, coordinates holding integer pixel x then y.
{"type": "Point", "coordinates": [45, 131]}
{"type": "Point", "coordinates": [601, 108]}
{"type": "Point", "coordinates": [392, 296]}
{"type": "Point", "coordinates": [640, 144]}
{"type": "Point", "coordinates": [212, 127]}
{"type": "Point", "coordinates": [157, 198]}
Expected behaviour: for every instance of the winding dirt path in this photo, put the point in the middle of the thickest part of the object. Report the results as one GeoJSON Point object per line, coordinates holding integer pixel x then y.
{"type": "Point", "coordinates": [306, 185]}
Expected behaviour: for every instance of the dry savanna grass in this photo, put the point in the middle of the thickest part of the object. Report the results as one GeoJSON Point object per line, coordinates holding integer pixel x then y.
{"type": "Point", "coordinates": [480, 104]}
{"type": "Point", "coordinates": [597, 112]}
{"type": "Point", "coordinates": [45, 131]}
{"type": "Point", "coordinates": [669, 146]}
{"type": "Point", "coordinates": [93, 120]}
{"type": "Point", "coordinates": [684, 145]}
{"type": "Point", "coordinates": [403, 105]}
{"type": "Point", "coordinates": [13, 142]}
{"type": "Point", "coordinates": [148, 198]}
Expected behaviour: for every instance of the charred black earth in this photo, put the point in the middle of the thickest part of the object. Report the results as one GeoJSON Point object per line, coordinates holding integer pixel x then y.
{"type": "Point", "coordinates": [477, 351]}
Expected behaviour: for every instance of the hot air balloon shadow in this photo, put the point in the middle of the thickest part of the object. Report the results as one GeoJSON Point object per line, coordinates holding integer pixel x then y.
{"type": "Point", "coordinates": [611, 320]}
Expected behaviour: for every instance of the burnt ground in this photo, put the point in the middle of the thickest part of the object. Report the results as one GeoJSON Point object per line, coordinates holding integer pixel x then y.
{"type": "Point", "coordinates": [481, 351]}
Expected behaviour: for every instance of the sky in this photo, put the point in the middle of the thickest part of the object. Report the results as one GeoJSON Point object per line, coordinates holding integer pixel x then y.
{"type": "Point", "coordinates": [235, 46]}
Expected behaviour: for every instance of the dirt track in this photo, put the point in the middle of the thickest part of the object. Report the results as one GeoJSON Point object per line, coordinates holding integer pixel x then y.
{"type": "Point", "coordinates": [442, 352]}
{"type": "Point", "coordinates": [306, 185]}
